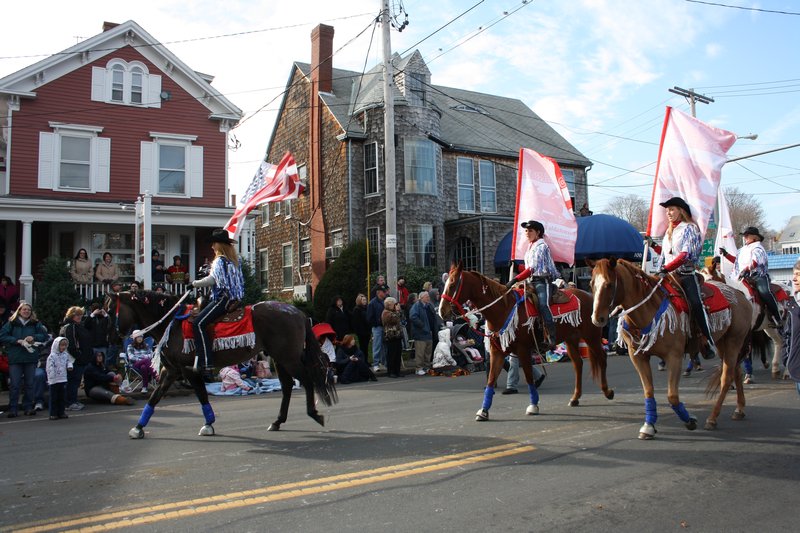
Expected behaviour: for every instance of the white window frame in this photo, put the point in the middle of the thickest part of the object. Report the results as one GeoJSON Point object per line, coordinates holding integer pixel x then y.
{"type": "Point", "coordinates": [486, 189]}
{"type": "Point", "coordinates": [415, 249]}
{"type": "Point", "coordinates": [371, 147]}
{"type": "Point", "coordinates": [263, 268]}
{"type": "Point", "coordinates": [290, 266]}
{"type": "Point", "coordinates": [305, 252]}
{"type": "Point", "coordinates": [569, 178]}
{"type": "Point", "coordinates": [49, 169]}
{"type": "Point", "coordinates": [287, 208]}
{"type": "Point", "coordinates": [412, 171]}
{"type": "Point", "coordinates": [377, 250]}
{"type": "Point", "coordinates": [150, 164]}
{"type": "Point", "coordinates": [265, 215]}
{"type": "Point", "coordinates": [464, 188]}
{"type": "Point", "coordinates": [104, 85]}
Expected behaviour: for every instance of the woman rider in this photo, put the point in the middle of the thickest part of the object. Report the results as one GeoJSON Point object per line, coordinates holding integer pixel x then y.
{"type": "Point", "coordinates": [227, 282]}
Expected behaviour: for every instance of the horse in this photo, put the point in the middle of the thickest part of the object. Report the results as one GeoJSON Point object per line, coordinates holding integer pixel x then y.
{"type": "Point", "coordinates": [651, 324]}
{"type": "Point", "coordinates": [496, 304]}
{"type": "Point", "coordinates": [280, 330]}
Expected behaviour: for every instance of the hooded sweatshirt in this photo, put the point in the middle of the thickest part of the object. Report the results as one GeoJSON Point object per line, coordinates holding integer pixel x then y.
{"type": "Point", "coordinates": [57, 363]}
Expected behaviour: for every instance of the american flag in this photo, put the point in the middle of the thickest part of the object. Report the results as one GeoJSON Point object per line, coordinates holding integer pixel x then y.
{"type": "Point", "coordinates": [277, 183]}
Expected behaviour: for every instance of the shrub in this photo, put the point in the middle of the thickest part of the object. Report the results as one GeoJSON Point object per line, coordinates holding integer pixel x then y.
{"type": "Point", "coordinates": [55, 293]}
{"type": "Point", "coordinates": [346, 277]}
{"type": "Point", "coordinates": [252, 289]}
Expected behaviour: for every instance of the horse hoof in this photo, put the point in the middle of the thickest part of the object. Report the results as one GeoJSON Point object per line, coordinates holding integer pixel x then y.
{"type": "Point", "coordinates": [574, 403]}
{"type": "Point", "coordinates": [645, 436]}
{"type": "Point", "coordinates": [737, 415]}
{"type": "Point", "coordinates": [691, 425]}
{"type": "Point", "coordinates": [136, 433]}
{"type": "Point", "coordinates": [610, 394]}
{"type": "Point", "coordinates": [319, 419]}
{"type": "Point", "coordinates": [647, 431]}
{"type": "Point", "coordinates": [710, 425]}
{"type": "Point", "coordinates": [776, 375]}
{"type": "Point", "coordinates": [206, 431]}
{"type": "Point", "coordinates": [532, 410]}
{"type": "Point", "coordinates": [274, 427]}
{"type": "Point", "coordinates": [482, 415]}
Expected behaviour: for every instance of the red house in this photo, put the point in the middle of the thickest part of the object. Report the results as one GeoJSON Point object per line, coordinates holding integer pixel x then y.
{"type": "Point", "coordinates": [87, 131]}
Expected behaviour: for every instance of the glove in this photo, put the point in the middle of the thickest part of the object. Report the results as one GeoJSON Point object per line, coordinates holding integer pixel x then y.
{"type": "Point", "coordinates": [511, 283]}
{"type": "Point", "coordinates": [663, 273]}
{"type": "Point", "coordinates": [194, 283]}
{"type": "Point", "coordinates": [723, 251]}
{"type": "Point", "coordinates": [649, 240]}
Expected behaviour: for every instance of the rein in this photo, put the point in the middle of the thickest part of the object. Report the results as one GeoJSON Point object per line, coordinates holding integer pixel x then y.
{"type": "Point", "coordinates": [625, 312]}
{"type": "Point", "coordinates": [174, 307]}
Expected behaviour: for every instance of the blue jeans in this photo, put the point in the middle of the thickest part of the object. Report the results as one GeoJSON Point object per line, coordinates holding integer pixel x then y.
{"type": "Point", "coordinates": [512, 382]}
{"type": "Point", "coordinates": [74, 378]}
{"type": "Point", "coordinates": [39, 384]}
{"type": "Point", "coordinates": [203, 345]}
{"type": "Point", "coordinates": [543, 294]}
{"type": "Point", "coordinates": [378, 355]}
{"type": "Point", "coordinates": [19, 372]}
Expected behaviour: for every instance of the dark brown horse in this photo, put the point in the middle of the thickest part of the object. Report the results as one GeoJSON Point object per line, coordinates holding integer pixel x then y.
{"type": "Point", "coordinates": [652, 325]}
{"type": "Point", "coordinates": [281, 331]}
{"type": "Point", "coordinates": [496, 305]}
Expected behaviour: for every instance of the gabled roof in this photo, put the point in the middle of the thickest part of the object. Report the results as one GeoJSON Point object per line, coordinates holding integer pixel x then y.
{"type": "Point", "coordinates": [25, 82]}
{"type": "Point", "coordinates": [791, 233]}
{"type": "Point", "coordinates": [470, 121]}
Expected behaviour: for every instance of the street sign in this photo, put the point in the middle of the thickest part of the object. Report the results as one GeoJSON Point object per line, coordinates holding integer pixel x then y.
{"type": "Point", "coordinates": [708, 248]}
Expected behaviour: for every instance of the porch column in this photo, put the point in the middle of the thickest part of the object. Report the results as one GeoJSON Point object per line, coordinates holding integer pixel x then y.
{"type": "Point", "coordinates": [25, 277]}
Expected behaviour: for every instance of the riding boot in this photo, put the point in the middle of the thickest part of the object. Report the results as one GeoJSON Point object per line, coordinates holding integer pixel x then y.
{"type": "Point", "coordinates": [550, 342]}
{"type": "Point", "coordinates": [761, 284]}
{"type": "Point", "coordinates": [698, 312]}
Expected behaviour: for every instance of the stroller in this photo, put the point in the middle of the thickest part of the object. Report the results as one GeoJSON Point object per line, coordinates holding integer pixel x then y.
{"type": "Point", "coordinates": [464, 349]}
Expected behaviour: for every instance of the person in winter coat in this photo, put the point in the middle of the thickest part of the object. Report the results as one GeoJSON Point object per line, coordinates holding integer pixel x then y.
{"type": "Point", "coordinates": [80, 347]}
{"type": "Point", "coordinates": [358, 321]}
{"type": "Point", "coordinates": [19, 335]}
{"type": "Point", "coordinates": [351, 365]}
{"type": "Point", "coordinates": [81, 269]}
{"type": "Point", "coordinates": [791, 357]}
{"type": "Point", "coordinates": [9, 297]}
{"type": "Point", "coordinates": [106, 271]}
{"type": "Point", "coordinates": [231, 379]}
{"type": "Point", "coordinates": [57, 366]}
{"type": "Point", "coordinates": [140, 355]}
{"type": "Point", "coordinates": [98, 325]}
{"type": "Point", "coordinates": [102, 384]}
{"type": "Point", "coordinates": [422, 332]}
{"type": "Point", "coordinates": [392, 318]}
{"type": "Point", "coordinates": [338, 319]}
{"type": "Point", "coordinates": [375, 309]}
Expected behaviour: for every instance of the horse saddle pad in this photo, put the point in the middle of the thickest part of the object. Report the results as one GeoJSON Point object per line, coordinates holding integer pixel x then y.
{"type": "Point", "coordinates": [561, 303]}
{"type": "Point", "coordinates": [712, 297]}
{"type": "Point", "coordinates": [776, 290]}
{"type": "Point", "coordinates": [228, 328]}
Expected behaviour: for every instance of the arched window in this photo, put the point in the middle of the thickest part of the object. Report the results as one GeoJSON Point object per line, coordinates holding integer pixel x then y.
{"type": "Point", "coordinates": [467, 253]}
{"type": "Point", "coordinates": [117, 83]}
{"type": "Point", "coordinates": [126, 83]}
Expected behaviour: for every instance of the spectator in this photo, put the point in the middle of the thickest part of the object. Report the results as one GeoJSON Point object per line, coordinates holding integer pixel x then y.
{"type": "Point", "coordinates": [81, 269]}
{"type": "Point", "coordinates": [791, 356]}
{"type": "Point", "coordinates": [584, 212]}
{"type": "Point", "coordinates": [135, 286]}
{"type": "Point", "coordinates": [80, 347]}
{"type": "Point", "coordinates": [375, 309]}
{"type": "Point", "coordinates": [102, 384]}
{"type": "Point", "coordinates": [392, 330]}
{"type": "Point", "coordinates": [40, 375]}
{"type": "Point", "coordinates": [231, 379]}
{"type": "Point", "coordinates": [9, 296]}
{"type": "Point", "coordinates": [58, 364]}
{"type": "Point", "coordinates": [351, 363]}
{"type": "Point", "coordinates": [402, 293]}
{"type": "Point", "coordinates": [326, 337]}
{"type": "Point", "coordinates": [427, 286]}
{"type": "Point", "coordinates": [178, 273]}
{"type": "Point", "coordinates": [358, 321]}
{"type": "Point", "coordinates": [158, 271]}
{"type": "Point", "coordinates": [98, 325]}
{"type": "Point", "coordinates": [205, 269]}
{"type": "Point", "coordinates": [107, 271]}
{"type": "Point", "coordinates": [422, 333]}
{"type": "Point", "coordinates": [19, 335]}
{"type": "Point", "coordinates": [380, 282]}
{"type": "Point", "coordinates": [337, 318]}
{"type": "Point", "coordinates": [140, 355]}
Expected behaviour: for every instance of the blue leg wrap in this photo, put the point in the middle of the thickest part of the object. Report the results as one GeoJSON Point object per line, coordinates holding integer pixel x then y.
{"type": "Point", "coordinates": [208, 412]}
{"type": "Point", "coordinates": [650, 413]}
{"type": "Point", "coordinates": [690, 365]}
{"type": "Point", "coordinates": [147, 412]}
{"type": "Point", "coordinates": [681, 411]}
{"type": "Point", "coordinates": [488, 394]}
{"type": "Point", "coordinates": [748, 365]}
{"type": "Point", "coordinates": [534, 394]}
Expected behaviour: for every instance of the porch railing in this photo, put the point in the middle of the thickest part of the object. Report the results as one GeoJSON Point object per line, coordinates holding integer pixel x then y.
{"type": "Point", "coordinates": [92, 291]}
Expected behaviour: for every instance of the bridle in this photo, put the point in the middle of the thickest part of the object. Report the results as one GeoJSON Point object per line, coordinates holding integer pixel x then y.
{"type": "Point", "coordinates": [453, 300]}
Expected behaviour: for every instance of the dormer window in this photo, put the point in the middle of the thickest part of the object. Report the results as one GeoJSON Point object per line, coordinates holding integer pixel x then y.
{"type": "Point", "coordinates": [126, 83]}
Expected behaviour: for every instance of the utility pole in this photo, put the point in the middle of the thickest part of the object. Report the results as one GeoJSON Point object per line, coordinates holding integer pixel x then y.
{"type": "Point", "coordinates": [388, 151]}
{"type": "Point", "coordinates": [692, 96]}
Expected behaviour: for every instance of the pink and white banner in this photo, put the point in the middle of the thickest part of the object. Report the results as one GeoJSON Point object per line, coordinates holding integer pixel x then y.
{"type": "Point", "coordinates": [690, 161]}
{"type": "Point", "coordinates": [726, 237]}
{"type": "Point", "coordinates": [542, 195]}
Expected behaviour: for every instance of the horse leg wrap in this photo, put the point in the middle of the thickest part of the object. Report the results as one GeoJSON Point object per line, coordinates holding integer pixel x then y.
{"type": "Point", "coordinates": [534, 394]}
{"type": "Point", "coordinates": [208, 412]}
{"type": "Point", "coordinates": [681, 411]}
{"type": "Point", "coordinates": [650, 413]}
{"type": "Point", "coordinates": [748, 365]}
{"type": "Point", "coordinates": [488, 394]}
{"type": "Point", "coordinates": [147, 412]}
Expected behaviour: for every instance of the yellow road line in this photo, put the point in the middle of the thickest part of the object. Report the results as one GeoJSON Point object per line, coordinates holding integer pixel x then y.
{"type": "Point", "coordinates": [234, 500]}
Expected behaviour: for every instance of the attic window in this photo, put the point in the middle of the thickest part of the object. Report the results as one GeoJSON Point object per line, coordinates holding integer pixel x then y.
{"type": "Point", "coordinates": [126, 83]}
{"type": "Point", "coordinates": [470, 109]}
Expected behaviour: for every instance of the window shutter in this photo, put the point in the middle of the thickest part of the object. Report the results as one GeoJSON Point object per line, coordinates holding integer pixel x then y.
{"type": "Point", "coordinates": [101, 164]}
{"type": "Point", "coordinates": [153, 88]}
{"type": "Point", "coordinates": [47, 159]}
{"type": "Point", "coordinates": [195, 171]}
{"type": "Point", "coordinates": [98, 84]}
{"type": "Point", "coordinates": [147, 168]}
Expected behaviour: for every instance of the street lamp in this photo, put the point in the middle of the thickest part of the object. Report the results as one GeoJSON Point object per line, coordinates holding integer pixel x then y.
{"type": "Point", "coordinates": [750, 136]}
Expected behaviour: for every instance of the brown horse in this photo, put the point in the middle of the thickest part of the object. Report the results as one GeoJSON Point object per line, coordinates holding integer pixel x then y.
{"type": "Point", "coordinates": [651, 325]}
{"type": "Point", "coordinates": [496, 305]}
{"type": "Point", "coordinates": [281, 331]}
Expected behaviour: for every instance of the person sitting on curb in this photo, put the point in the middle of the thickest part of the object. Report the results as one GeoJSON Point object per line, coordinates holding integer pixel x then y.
{"type": "Point", "coordinates": [102, 385]}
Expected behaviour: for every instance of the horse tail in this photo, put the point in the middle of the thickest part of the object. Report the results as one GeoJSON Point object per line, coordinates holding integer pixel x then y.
{"type": "Point", "coordinates": [317, 369]}
{"type": "Point", "coordinates": [714, 380]}
{"type": "Point", "coordinates": [712, 388]}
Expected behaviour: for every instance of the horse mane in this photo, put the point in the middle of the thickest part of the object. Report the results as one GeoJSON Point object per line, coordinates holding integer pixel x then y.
{"type": "Point", "coordinates": [495, 288]}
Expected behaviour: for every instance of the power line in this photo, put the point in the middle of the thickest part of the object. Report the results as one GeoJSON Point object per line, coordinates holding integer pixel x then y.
{"type": "Point", "coordinates": [440, 28]}
{"type": "Point", "coordinates": [744, 8]}
{"type": "Point", "coordinates": [746, 84]}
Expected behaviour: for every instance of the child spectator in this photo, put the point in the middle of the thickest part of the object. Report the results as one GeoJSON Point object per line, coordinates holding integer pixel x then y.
{"type": "Point", "coordinates": [58, 364]}
{"type": "Point", "coordinates": [232, 379]}
{"type": "Point", "coordinates": [140, 355]}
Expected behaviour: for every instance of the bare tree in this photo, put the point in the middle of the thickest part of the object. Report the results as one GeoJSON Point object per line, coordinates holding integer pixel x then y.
{"type": "Point", "coordinates": [630, 208]}
{"type": "Point", "coordinates": [745, 210]}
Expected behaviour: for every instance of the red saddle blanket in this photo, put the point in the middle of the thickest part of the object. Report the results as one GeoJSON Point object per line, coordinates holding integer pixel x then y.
{"type": "Point", "coordinates": [714, 303]}
{"type": "Point", "coordinates": [780, 294]}
{"type": "Point", "coordinates": [558, 310]}
{"type": "Point", "coordinates": [226, 335]}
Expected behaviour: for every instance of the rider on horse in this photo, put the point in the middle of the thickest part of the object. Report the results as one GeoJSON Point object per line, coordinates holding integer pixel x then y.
{"type": "Point", "coordinates": [680, 251]}
{"type": "Point", "coordinates": [227, 282]}
{"type": "Point", "coordinates": [750, 264]}
{"type": "Point", "coordinates": [540, 270]}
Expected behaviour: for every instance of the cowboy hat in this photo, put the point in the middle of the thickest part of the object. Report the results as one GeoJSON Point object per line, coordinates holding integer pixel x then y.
{"type": "Point", "coordinates": [677, 201]}
{"type": "Point", "coordinates": [752, 230]}
{"type": "Point", "coordinates": [535, 225]}
{"type": "Point", "coordinates": [220, 235]}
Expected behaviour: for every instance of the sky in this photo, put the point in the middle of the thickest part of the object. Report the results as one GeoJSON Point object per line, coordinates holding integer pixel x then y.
{"type": "Point", "coordinates": [597, 70]}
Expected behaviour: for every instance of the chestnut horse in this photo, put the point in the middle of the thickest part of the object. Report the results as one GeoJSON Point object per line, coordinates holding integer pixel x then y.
{"type": "Point", "coordinates": [281, 330]}
{"type": "Point", "coordinates": [496, 304]}
{"type": "Point", "coordinates": [651, 325]}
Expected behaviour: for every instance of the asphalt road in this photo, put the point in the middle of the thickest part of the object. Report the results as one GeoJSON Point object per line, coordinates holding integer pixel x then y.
{"type": "Point", "coordinates": [406, 455]}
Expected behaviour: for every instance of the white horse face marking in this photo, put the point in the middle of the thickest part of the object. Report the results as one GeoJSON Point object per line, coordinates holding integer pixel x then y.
{"type": "Point", "coordinates": [598, 283]}
{"type": "Point", "coordinates": [444, 291]}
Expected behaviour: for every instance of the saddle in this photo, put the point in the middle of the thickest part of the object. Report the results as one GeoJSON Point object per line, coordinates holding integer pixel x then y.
{"type": "Point", "coordinates": [233, 313]}
{"type": "Point", "coordinates": [231, 330]}
{"type": "Point", "coordinates": [557, 296]}
{"type": "Point", "coordinates": [712, 298]}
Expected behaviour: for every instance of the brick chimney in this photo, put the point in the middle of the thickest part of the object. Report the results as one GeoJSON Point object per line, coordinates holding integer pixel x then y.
{"type": "Point", "coordinates": [321, 81]}
{"type": "Point", "coordinates": [109, 25]}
